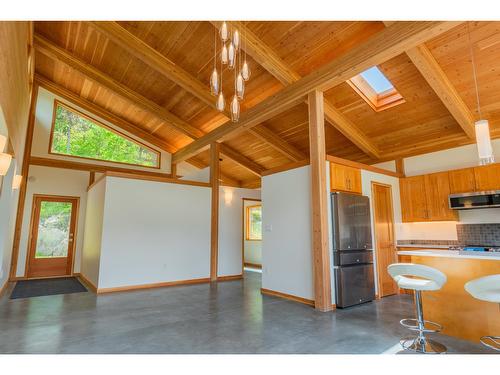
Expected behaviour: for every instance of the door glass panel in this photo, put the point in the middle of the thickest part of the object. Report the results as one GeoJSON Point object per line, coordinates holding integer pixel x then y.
{"type": "Point", "coordinates": [53, 229]}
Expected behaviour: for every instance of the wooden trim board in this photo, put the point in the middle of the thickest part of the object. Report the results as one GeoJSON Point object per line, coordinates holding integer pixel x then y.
{"type": "Point", "coordinates": [355, 164]}
{"type": "Point", "coordinates": [86, 281]}
{"type": "Point", "coordinates": [4, 287]}
{"type": "Point", "coordinates": [253, 265]}
{"type": "Point", "coordinates": [287, 296]}
{"type": "Point", "coordinates": [229, 277]}
{"type": "Point", "coordinates": [152, 285]}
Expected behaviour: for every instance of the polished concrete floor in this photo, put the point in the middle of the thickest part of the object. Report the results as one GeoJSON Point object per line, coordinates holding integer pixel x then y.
{"type": "Point", "coordinates": [230, 317]}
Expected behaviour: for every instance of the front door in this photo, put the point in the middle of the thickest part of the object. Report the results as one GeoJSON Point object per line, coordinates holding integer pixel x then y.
{"type": "Point", "coordinates": [384, 237]}
{"type": "Point", "coordinates": [52, 240]}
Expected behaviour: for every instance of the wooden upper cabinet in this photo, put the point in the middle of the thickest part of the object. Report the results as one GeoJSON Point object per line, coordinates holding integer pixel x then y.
{"type": "Point", "coordinates": [487, 177]}
{"type": "Point", "coordinates": [345, 178]}
{"type": "Point", "coordinates": [413, 199]}
{"type": "Point", "coordinates": [437, 189]}
{"type": "Point", "coordinates": [462, 181]}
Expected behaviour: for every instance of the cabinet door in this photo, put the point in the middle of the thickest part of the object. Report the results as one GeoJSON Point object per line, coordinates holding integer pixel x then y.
{"type": "Point", "coordinates": [413, 200]}
{"type": "Point", "coordinates": [437, 188]}
{"type": "Point", "coordinates": [462, 181]}
{"type": "Point", "coordinates": [487, 177]}
{"type": "Point", "coordinates": [344, 178]}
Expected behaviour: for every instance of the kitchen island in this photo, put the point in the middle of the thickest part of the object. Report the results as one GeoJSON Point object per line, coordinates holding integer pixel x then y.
{"type": "Point", "coordinates": [458, 312]}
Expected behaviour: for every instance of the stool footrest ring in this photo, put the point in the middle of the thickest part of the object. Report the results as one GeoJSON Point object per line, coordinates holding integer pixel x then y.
{"type": "Point", "coordinates": [429, 327]}
{"type": "Point", "coordinates": [492, 342]}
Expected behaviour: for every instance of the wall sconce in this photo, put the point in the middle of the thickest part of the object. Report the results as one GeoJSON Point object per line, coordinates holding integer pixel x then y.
{"type": "Point", "coordinates": [228, 196]}
{"type": "Point", "coordinates": [5, 160]}
{"type": "Point", "coordinates": [16, 182]}
{"type": "Point", "coordinates": [3, 142]}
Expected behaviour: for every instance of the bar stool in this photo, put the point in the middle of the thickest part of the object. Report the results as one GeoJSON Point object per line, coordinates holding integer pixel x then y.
{"type": "Point", "coordinates": [419, 278]}
{"type": "Point", "coordinates": [487, 289]}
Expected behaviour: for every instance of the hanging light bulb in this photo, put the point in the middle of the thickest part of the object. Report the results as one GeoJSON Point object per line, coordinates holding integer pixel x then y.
{"type": "Point", "coordinates": [221, 102]}
{"type": "Point", "coordinates": [482, 129]}
{"type": "Point", "coordinates": [223, 55]}
{"type": "Point", "coordinates": [236, 39]}
{"type": "Point", "coordinates": [214, 83]}
{"type": "Point", "coordinates": [239, 86]}
{"type": "Point", "coordinates": [224, 32]}
{"type": "Point", "coordinates": [245, 71]}
{"type": "Point", "coordinates": [235, 109]}
{"type": "Point", "coordinates": [231, 53]}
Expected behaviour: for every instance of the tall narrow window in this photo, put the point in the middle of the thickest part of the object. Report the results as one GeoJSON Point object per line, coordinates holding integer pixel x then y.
{"type": "Point", "coordinates": [254, 223]}
{"type": "Point", "coordinates": [76, 134]}
{"type": "Point", "coordinates": [374, 87]}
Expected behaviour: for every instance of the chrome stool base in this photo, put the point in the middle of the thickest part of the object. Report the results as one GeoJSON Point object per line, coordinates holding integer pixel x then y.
{"type": "Point", "coordinates": [427, 327]}
{"type": "Point", "coordinates": [492, 342]}
{"type": "Point", "coordinates": [422, 344]}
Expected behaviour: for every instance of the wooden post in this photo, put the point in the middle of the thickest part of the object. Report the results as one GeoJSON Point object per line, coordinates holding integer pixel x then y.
{"type": "Point", "coordinates": [400, 167]}
{"type": "Point", "coordinates": [91, 178]}
{"type": "Point", "coordinates": [24, 181]}
{"type": "Point", "coordinates": [173, 170]}
{"type": "Point", "coordinates": [214, 236]}
{"type": "Point", "coordinates": [320, 251]}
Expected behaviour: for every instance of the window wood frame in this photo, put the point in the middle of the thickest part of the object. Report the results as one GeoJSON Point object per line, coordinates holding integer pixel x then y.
{"type": "Point", "coordinates": [107, 127]}
{"type": "Point", "coordinates": [247, 224]}
{"type": "Point", "coordinates": [378, 101]}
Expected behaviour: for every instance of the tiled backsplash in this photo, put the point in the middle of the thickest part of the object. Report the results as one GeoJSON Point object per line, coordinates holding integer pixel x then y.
{"type": "Point", "coordinates": [479, 234]}
{"type": "Point", "coordinates": [467, 234]}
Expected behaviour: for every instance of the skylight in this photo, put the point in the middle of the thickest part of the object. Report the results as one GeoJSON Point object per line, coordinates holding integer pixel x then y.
{"type": "Point", "coordinates": [377, 80]}
{"type": "Point", "coordinates": [374, 87]}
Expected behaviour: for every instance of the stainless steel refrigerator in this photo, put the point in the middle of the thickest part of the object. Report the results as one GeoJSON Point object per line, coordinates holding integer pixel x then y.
{"type": "Point", "coordinates": [352, 249]}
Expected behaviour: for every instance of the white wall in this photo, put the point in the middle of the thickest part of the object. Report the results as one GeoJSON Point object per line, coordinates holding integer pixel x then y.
{"type": "Point", "coordinates": [43, 124]}
{"type": "Point", "coordinates": [94, 215]}
{"type": "Point", "coordinates": [286, 246]}
{"type": "Point", "coordinates": [230, 229]}
{"type": "Point", "coordinates": [252, 250]}
{"type": "Point", "coordinates": [154, 232]}
{"type": "Point", "coordinates": [53, 181]}
{"type": "Point", "coordinates": [387, 165]}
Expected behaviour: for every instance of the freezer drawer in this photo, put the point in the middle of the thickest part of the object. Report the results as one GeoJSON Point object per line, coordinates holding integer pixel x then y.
{"type": "Point", "coordinates": [354, 285]}
{"type": "Point", "coordinates": [349, 258]}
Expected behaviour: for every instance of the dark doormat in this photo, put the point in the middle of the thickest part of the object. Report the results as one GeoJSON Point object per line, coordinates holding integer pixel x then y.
{"type": "Point", "coordinates": [47, 287]}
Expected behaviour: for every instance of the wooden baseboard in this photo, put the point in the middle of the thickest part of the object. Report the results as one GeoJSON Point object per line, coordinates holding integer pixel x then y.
{"type": "Point", "coordinates": [290, 297]}
{"type": "Point", "coordinates": [229, 278]}
{"type": "Point", "coordinates": [86, 281]}
{"type": "Point", "coordinates": [4, 287]}
{"type": "Point", "coordinates": [153, 285]}
{"type": "Point", "coordinates": [253, 265]}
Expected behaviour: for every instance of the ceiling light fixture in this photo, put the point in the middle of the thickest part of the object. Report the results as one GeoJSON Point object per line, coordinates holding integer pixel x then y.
{"type": "Point", "coordinates": [482, 128]}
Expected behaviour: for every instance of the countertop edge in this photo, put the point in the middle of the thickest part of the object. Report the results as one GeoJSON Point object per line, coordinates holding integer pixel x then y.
{"type": "Point", "coordinates": [447, 254]}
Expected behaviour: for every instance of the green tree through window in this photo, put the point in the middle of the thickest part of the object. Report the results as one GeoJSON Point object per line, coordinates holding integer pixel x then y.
{"type": "Point", "coordinates": [77, 135]}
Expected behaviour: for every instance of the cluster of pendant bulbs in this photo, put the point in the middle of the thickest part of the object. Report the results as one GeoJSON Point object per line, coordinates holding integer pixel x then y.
{"type": "Point", "coordinates": [230, 56]}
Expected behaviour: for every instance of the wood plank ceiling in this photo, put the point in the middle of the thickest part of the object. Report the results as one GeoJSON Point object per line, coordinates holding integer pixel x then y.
{"type": "Point", "coordinates": [138, 89]}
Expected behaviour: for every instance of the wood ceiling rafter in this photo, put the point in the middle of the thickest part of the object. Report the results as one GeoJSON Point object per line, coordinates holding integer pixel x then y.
{"type": "Point", "coordinates": [52, 50]}
{"type": "Point", "coordinates": [381, 47]}
{"type": "Point", "coordinates": [427, 65]}
{"type": "Point", "coordinates": [269, 59]}
{"type": "Point", "coordinates": [241, 160]}
{"type": "Point", "coordinates": [154, 59]}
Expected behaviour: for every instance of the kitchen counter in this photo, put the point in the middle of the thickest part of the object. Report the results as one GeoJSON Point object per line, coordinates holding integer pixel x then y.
{"type": "Point", "coordinates": [450, 254]}
{"type": "Point", "coordinates": [460, 314]}
{"type": "Point", "coordinates": [423, 246]}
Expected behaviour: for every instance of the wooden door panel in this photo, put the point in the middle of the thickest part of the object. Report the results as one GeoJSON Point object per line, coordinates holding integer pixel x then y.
{"type": "Point", "coordinates": [437, 187]}
{"type": "Point", "coordinates": [462, 181]}
{"type": "Point", "coordinates": [413, 200]}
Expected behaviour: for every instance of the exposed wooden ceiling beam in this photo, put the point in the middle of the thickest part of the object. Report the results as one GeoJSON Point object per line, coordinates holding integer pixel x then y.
{"type": "Point", "coordinates": [383, 46]}
{"type": "Point", "coordinates": [103, 113]}
{"type": "Point", "coordinates": [52, 50]}
{"type": "Point", "coordinates": [427, 65]}
{"type": "Point", "coordinates": [242, 160]}
{"type": "Point", "coordinates": [224, 178]}
{"type": "Point", "coordinates": [269, 59]}
{"type": "Point", "coordinates": [264, 133]}
{"type": "Point", "coordinates": [154, 59]}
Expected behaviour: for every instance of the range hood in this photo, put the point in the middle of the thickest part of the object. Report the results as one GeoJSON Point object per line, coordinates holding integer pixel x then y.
{"type": "Point", "coordinates": [479, 199]}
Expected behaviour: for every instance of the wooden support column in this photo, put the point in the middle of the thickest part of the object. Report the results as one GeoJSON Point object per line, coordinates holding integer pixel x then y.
{"type": "Point", "coordinates": [400, 166]}
{"type": "Point", "coordinates": [173, 170]}
{"type": "Point", "coordinates": [321, 257]}
{"type": "Point", "coordinates": [215, 183]}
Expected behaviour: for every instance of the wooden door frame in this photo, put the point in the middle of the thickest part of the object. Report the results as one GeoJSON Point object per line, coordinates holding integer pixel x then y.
{"type": "Point", "coordinates": [34, 221]}
{"type": "Point", "coordinates": [243, 224]}
{"type": "Point", "coordinates": [373, 183]}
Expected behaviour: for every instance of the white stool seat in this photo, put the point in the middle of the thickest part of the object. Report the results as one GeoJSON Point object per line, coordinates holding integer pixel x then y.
{"type": "Point", "coordinates": [485, 288]}
{"type": "Point", "coordinates": [421, 277]}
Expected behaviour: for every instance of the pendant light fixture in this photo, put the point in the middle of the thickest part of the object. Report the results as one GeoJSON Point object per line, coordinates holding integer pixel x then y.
{"type": "Point", "coordinates": [482, 128]}
{"type": "Point", "coordinates": [232, 42]}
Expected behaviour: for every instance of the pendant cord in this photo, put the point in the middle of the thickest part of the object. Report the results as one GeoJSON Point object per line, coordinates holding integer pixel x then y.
{"type": "Point", "coordinates": [474, 73]}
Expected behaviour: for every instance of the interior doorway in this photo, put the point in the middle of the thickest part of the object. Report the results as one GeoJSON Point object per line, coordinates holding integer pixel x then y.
{"type": "Point", "coordinates": [385, 250]}
{"type": "Point", "coordinates": [252, 234]}
{"type": "Point", "coordinates": [52, 236]}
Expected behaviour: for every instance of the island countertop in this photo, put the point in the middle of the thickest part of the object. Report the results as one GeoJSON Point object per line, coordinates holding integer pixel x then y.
{"type": "Point", "coordinates": [450, 254]}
